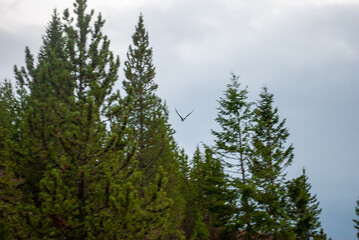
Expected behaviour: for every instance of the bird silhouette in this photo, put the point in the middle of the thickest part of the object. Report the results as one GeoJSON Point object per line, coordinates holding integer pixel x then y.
{"type": "Point", "coordinates": [183, 118]}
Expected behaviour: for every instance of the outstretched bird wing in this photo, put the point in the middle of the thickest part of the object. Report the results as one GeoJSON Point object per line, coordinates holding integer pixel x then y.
{"type": "Point", "coordinates": [180, 115]}
{"type": "Point", "coordinates": [188, 114]}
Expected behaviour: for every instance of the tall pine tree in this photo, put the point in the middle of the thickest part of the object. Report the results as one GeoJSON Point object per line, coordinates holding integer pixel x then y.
{"type": "Point", "coordinates": [270, 156]}
{"type": "Point", "coordinates": [234, 113]}
{"type": "Point", "coordinates": [232, 144]}
{"type": "Point", "coordinates": [149, 119]}
{"type": "Point", "coordinates": [140, 86]}
{"type": "Point", "coordinates": [212, 193]}
{"type": "Point", "coordinates": [303, 209]}
{"type": "Point", "coordinates": [75, 151]}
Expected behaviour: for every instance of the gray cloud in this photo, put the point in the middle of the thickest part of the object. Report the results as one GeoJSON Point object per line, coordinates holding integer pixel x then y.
{"type": "Point", "coordinates": [12, 48]}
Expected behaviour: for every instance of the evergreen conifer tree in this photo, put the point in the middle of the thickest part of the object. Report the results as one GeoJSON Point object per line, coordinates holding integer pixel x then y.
{"type": "Point", "coordinates": [149, 119]}
{"type": "Point", "coordinates": [195, 226]}
{"type": "Point", "coordinates": [76, 153]}
{"type": "Point", "coordinates": [149, 115]}
{"type": "Point", "coordinates": [269, 158]}
{"type": "Point", "coordinates": [232, 146]}
{"type": "Point", "coordinates": [53, 42]}
{"type": "Point", "coordinates": [234, 113]}
{"type": "Point", "coordinates": [191, 211]}
{"type": "Point", "coordinates": [303, 209]}
{"type": "Point", "coordinates": [10, 193]}
{"type": "Point", "coordinates": [43, 82]}
{"type": "Point", "coordinates": [212, 193]}
{"type": "Point", "coordinates": [140, 86]}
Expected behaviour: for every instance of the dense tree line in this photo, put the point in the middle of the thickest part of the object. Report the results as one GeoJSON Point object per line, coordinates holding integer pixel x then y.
{"type": "Point", "coordinates": [79, 160]}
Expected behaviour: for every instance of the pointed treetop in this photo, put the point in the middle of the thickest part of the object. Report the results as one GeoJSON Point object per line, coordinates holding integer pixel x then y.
{"type": "Point", "coordinates": [53, 39]}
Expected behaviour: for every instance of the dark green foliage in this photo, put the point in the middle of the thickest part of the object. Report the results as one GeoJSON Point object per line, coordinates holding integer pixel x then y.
{"type": "Point", "coordinates": [148, 116]}
{"type": "Point", "coordinates": [140, 87]}
{"type": "Point", "coordinates": [254, 141]}
{"type": "Point", "coordinates": [232, 142]}
{"type": "Point", "coordinates": [303, 209]}
{"type": "Point", "coordinates": [79, 161]}
{"type": "Point", "coordinates": [232, 145]}
{"type": "Point", "coordinates": [53, 40]}
{"type": "Point", "coordinates": [269, 138]}
{"type": "Point", "coordinates": [149, 119]}
{"type": "Point", "coordinates": [75, 155]}
{"type": "Point", "coordinates": [212, 197]}
{"type": "Point", "coordinates": [269, 159]}
{"type": "Point", "coordinates": [200, 229]}
{"type": "Point", "coordinates": [193, 219]}
{"type": "Point", "coordinates": [9, 181]}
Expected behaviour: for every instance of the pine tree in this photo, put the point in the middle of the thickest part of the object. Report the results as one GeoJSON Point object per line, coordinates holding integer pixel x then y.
{"type": "Point", "coordinates": [53, 42]}
{"type": "Point", "coordinates": [140, 86]}
{"type": "Point", "coordinates": [269, 158]}
{"type": "Point", "coordinates": [232, 145]}
{"type": "Point", "coordinates": [356, 221]}
{"type": "Point", "coordinates": [63, 133]}
{"type": "Point", "coordinates": [9, 181]}
{"type": "Point", "coordinates": [212, 193]}
{"type": "Point", "coordinates": [194, 224]}
{"type": "Point", "coordinates": [44, 83]}
{"type": "Point", "coordinates": [75, 150]}
{"type": "Point", "coordinates": [303, 209]}
{"type": "Point", "coordinates": [149, 119]}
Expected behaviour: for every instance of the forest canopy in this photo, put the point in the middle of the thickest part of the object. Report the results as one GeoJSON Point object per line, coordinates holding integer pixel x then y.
{"type": "Point", "coordinates": [80, 159]}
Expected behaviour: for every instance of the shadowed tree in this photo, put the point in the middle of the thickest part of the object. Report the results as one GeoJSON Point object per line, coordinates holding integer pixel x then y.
{"type": "Point", "coordinates": [10, 194]}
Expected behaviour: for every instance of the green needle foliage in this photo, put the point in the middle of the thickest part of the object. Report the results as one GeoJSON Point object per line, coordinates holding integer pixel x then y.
{"type": "Point", "coordinates": [79, 161]}
{"type": "Point", "coordinates": [232, 146]}
{"type": "Point", "coordinates": [9, 181]}
{"type": "Point", "coordinates": [234, 113]}
{"type": "Point", "coordinates": [254, 141]}
{"type": "Point", "coordinates": [303, 209]}
{"type": "Point", "coordinates": [212, 196]}
{"type": "Point", "coordinates": [71, 148]}
{"type": "Point", "coordinates": [269, 158]}
{"type": "Point", "coordinates": [149, 119]}
{"type": "Point", "coordinates": [140, 87]}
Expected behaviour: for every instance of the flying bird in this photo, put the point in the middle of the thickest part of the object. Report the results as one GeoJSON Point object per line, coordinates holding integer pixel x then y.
{"type": "Point", "coordinates": [183, 118]}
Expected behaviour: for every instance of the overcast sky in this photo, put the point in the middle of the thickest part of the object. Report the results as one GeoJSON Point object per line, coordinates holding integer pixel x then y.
{"type": "Point", "coordinates": [305, 51]}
